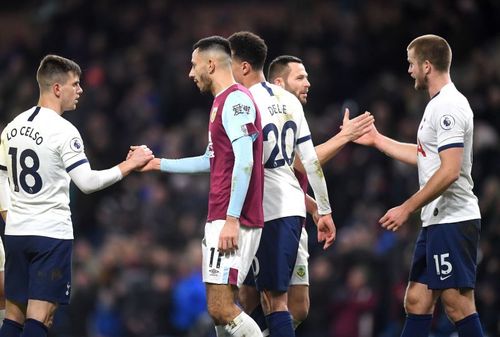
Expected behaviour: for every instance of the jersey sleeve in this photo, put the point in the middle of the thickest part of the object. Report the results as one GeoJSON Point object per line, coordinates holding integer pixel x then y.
{"type": "Point", "coordinates": [238, 116]}
{"type": "Point", "coordinates": [4, 182]}
{"type": "Point", "coordinates": [309, 158]}
{"type": "Point", "coordinates": [71, 149]}
{"type": "Point", "coordinates": [3, 153]}
{"type": "Point", "coordinates": [450, 125]}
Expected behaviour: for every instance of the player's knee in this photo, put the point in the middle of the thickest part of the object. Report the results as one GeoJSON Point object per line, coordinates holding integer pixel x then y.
{"type": "Point", "coordinates": [273, 301]}
{"type": "Point", "coordinates": [220, 314]}
{"type": "Point", "coordinates": [412, 302]}
{"type": "Point", "coordinates": [457, 308]}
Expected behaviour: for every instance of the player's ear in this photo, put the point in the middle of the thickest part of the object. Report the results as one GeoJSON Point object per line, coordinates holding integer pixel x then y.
{"type": "Point", "coordinates": [427, 66]}
{"type": "Point", "coordinates": [279, 81]}
{"type": "Point", "coordinates": [211, 66]}
{"type": "Point", "coordinates": [56, 89]}
{"type": "Point", "coordinates": [246, 67]}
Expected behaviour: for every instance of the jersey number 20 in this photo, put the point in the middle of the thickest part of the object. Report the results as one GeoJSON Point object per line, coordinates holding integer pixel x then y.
{"type": "Point", "coordinates": [28, 168]}
{"type": "Point", "coordinates": [280, 144]}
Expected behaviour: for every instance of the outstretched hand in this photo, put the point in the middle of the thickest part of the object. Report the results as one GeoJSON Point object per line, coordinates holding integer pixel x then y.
{"type": "Point", "coordinates": [326, 230]}
{"type": "Point", "coordinates": [369, 137]}
{"type": "Point", "coordinates": [140, 156]}
{"type": "Point", "coordinates": [358, 126]}
{"type": "Point", "coordinates": [151, 165]}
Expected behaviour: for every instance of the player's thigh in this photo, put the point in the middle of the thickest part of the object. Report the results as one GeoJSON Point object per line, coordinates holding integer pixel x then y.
{"type": "Point", "coordinates": [300, 275]}
{"type": "Point", "coordinates": [277, 254]}
{"type": "Point", "coordinates": [219, 268]}
{"type": "Point", "coordinates": [37, 268]}
{"type": "Point", "coordinates": [458, 303]}
{"type": "Point", "coordinates": [452, 255]}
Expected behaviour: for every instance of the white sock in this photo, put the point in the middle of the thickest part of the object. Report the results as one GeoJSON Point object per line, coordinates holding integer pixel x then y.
{"type": "Point", "coordinates": [2, 316]}
{"type": "Point", "coordinates": [265, 333]}
{"type": "Point", "coordinates": [295, 324]}
{"type": "Point", "coordinates": [241, 326]}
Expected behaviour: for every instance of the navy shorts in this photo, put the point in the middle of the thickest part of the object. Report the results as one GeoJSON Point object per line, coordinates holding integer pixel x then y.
{"type": "Point", "coordinates": [446, 255]}
{"type": "Point", "coordinates": [275, 258]}
{"type": "Point", "coordinates": [38, 268]}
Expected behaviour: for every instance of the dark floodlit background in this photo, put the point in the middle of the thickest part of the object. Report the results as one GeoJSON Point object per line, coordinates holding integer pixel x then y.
{"type": "Point", "coordinates": [137, 246]}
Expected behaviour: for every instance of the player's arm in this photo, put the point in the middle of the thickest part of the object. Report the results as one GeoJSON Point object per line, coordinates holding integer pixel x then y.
{"type": "Point", "coordinates": [238, 118]}
{"type": "Point", "coordinates": [441, 180]}
{"type": "Point", "coordinates": [198, 164]}
{"type": "Point", "coordinates": [4, 182]}
{"type": "Point", "coordinates": [351, 130]}
{"type": "Point", "coordinates": [4, 192]}
{"type": "Point", "coordinates": [405, 152]}
{"type": "Point", "coordinates": [89, 180]}
{"type": "Point", "coordinates": [312, 167]}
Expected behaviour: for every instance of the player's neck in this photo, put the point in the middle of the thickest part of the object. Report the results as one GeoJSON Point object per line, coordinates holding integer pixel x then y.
{"type": "Point", "coordinates": [437, 83]}
{"type": "Point", "coordinates": [253, 78]}
{"type": "Point", "coordinates": [50, 103]}
{"type": "Point", "coordinates": [222, 82]}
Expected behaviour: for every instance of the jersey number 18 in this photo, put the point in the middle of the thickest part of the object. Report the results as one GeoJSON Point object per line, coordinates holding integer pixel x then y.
{"type": "Point", "coordinates": [29, 162]}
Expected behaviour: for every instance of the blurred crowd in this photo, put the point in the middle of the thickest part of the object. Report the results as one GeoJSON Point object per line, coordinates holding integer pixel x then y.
{"type": "Point", "coordinates": [137, 251]}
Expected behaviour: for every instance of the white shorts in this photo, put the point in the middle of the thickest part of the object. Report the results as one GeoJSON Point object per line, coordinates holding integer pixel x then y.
{"type": "Point", "coordinates": [300, 274]}
{"type": "Point", "coordinates": [228, 269]}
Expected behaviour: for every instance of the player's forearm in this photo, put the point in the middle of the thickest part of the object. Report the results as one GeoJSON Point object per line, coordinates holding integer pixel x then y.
{"type": "Point", "coordinates": [331, 147]}
{"type": "Point", "coordinates": [242, 173]}
{"type": "Point", "coordinates": [311, 205]}
{"type": "Point", "coordinates": [88, 180]}
{"type": "Point", "coordinates": [197, 164]}
{"type": "Point", "coordinates": [447, 173]}
{"type": "Point", "coordinates": [405, 152]}
{"type": "Point", "coordinates": [436, 186]}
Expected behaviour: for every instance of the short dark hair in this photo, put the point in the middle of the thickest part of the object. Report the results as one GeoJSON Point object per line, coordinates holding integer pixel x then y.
{"type": "Point", "coordinates": [53, 69]}
{"type": "Point", "coordinates": [249, 47]}
{"type": "Point", "coordinates": [434, 49]}
{"type": "Point", "coordinates": [279, 66]}
{"type": "Point", "coordinates": [213, 42]}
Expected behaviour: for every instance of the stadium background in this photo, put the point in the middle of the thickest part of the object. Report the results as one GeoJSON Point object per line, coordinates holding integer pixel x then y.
{"type": "Point", "coordinates": [136, 255]}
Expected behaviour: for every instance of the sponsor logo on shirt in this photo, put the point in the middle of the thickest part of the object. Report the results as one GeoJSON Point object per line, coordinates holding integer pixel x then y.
{"type": "Point", "coordinates": [240, 109]}
{"type": "Point", "coordinates": [447, 122]}
{"type": "Point", "coordinates": [76, 145]}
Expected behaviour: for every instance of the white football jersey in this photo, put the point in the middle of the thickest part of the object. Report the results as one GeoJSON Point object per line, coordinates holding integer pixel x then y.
{"type": "Point", "coordinates": [284, 128]}
{"type": "Point", "coordinates": [38, 149]}
{"type": "Point", "coordinates": [447, 122]}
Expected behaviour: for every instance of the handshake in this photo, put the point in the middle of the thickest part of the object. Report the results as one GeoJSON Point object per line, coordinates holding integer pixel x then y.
{"type": "Point", "coordinates": [142, 159]}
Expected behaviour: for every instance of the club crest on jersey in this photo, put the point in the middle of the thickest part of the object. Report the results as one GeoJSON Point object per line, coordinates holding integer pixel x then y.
{"type": "Point", "coordinates": [213, 114]}
{"type": "Point", "coordinates": [76, 145]}
{"type": "Point", "coordinates": [447, 122]}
